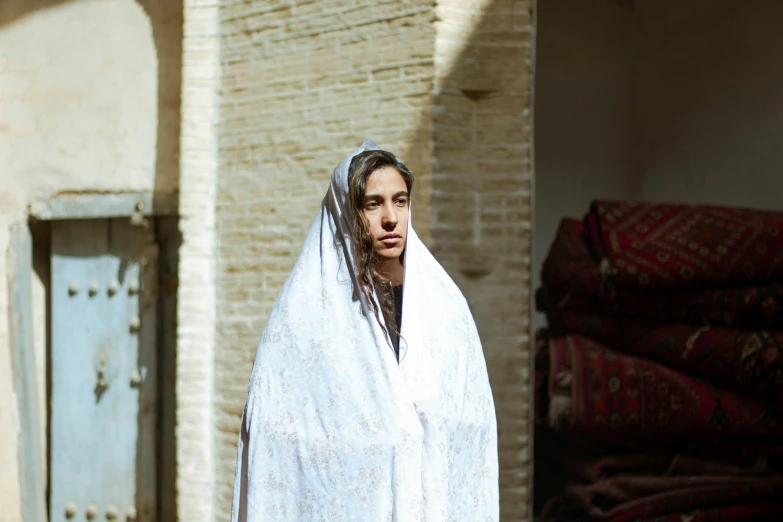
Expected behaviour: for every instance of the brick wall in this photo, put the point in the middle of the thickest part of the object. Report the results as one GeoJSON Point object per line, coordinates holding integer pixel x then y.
{"type": "Point", "coordinates": [196, 293]}
{"type": "Point", "coordinates": [481, 203]}
{"type": "Point", "coordinates": [303, 83]}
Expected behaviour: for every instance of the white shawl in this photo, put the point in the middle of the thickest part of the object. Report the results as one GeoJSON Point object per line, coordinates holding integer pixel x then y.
{"type": "Point", "coordinates": [334, 429]}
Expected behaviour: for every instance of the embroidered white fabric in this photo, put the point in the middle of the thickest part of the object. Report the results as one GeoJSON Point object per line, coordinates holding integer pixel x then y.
{"type": "Point", "coordinates": [333, 428]}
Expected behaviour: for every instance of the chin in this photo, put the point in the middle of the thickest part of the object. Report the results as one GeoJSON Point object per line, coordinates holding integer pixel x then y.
{"type": "Point", "coordinates": [390, 253]}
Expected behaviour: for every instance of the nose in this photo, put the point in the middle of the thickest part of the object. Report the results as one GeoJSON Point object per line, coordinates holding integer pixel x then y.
{"type": "Point", "coordinates": [389, 217]}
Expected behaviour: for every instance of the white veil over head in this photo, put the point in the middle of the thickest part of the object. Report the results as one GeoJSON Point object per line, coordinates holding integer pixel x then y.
{"type": "Point", "coordinates": [334, 429]}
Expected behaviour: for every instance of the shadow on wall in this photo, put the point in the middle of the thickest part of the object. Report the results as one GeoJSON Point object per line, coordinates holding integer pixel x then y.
{"type": "Point", "coordinates": [12, 11]}
{"type": "Point", "coordinates": [166, 19]}
{"type": "Point", "coordinates": [481, 207]}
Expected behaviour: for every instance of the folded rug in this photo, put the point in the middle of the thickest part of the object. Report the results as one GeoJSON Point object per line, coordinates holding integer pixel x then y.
{"type": "Point", "coordinates": [652, 246]}
{"type": "Point", "coordinates": [750, 512]}
{"type": "Point", "coordinates": [598, 392]}
{"type": "Point", "coordinates": [575, 279]}
{"type": "Point", "coordinates": [748, 360]}
{"type": "Point", "coordinates": [624, 499]}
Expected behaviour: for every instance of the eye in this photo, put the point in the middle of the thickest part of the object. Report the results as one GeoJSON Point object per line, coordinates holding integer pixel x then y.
{"type": "Point", "coordinates": [402, 202]}
{"type": "Point", "coordinates": [371, 205]}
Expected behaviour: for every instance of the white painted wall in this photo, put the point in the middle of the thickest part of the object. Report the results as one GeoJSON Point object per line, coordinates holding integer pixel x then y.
{"type": "Point", "coordinates": [708, 103]}
{"type": "Point", "coordinates": [582, 114]}
{"type": "Point", "coordinates": [10, 494]}
{"type": "Point", "coordinates": [79, 99]}
{"type": "Point", "coordinates": [84, 107]}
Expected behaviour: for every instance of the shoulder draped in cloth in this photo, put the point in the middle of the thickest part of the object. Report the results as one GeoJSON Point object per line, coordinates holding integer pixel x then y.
{"type": "Point", "coordinates": [334, 429]}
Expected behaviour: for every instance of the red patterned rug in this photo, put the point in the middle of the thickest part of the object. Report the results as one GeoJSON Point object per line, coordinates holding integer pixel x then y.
{"type": "Point", "coordinates": [750, 512]}
{"type": "Point", "coordinates": [587, 480]}
{"type": "Point", "coordinates": [664, 341]}
{"type": "Point", "coordinates": [653, 246]}
{"type": "Point", "coordinates": [574, 279]}
{"type": "Point", "coordinates": [587, 461]}
{"type": "Point", "coordinates": [745, 360]}
{"type": "Point", "coordinates": [599, 393]}
{"type": "Point", "coordinates": [631, 498]}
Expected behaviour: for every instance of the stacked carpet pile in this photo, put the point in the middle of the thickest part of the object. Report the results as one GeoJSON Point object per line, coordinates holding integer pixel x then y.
{"type": "Point", "coordinates": [659, 378]}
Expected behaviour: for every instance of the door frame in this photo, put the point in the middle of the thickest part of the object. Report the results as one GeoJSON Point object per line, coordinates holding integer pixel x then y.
{"type": "Point", "coordinates": [137, 207]}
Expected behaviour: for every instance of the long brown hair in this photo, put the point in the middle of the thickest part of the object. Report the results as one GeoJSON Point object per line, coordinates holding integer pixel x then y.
{"type": "Point", "coordinates": [362, 165]}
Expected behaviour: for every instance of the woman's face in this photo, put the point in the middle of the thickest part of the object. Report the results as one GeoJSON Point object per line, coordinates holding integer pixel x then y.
{"type": "Point", "coordinates": [386, 211]}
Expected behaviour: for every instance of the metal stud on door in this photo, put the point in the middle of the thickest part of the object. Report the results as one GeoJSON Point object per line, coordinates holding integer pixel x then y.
{"type": "Point", "coordinates": [103, 315]}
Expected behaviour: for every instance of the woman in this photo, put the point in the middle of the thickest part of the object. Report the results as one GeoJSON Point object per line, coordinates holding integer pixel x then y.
{"type": "Point", "coordinates": [356, 413]}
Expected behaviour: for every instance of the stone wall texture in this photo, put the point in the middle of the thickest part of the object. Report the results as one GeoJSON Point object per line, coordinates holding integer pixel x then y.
{"type": "Point", "coordinates": [303, 83]}
{"type": "Point", "coordinates": [481, 210]}
{"type": "Point", "coordinates": [446, 87]}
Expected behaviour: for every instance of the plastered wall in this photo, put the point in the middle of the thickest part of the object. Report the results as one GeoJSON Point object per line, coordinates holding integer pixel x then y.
{"type": "Point", "coordinates": [583, 113]}
{"type": "Point", "coordinates": [10, 493]}
{"type": "Point", "coordinates": [708, 103]}
{"type": "Point", "coordinates": [89, 102]}
{"type": "Point", "coordinates": [80, 98]}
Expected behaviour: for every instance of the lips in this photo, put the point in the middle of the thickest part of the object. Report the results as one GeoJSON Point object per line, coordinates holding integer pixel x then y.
{"type": "Point", "coordinates": [391, 240]}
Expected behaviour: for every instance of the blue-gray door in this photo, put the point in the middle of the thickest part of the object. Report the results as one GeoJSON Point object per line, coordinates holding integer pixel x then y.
{"type": "Point", "coordinates": [103, 380]}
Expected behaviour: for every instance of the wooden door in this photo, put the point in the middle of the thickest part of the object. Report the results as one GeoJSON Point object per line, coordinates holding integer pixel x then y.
{"type": "Point", "coordinates": [103, 378]}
